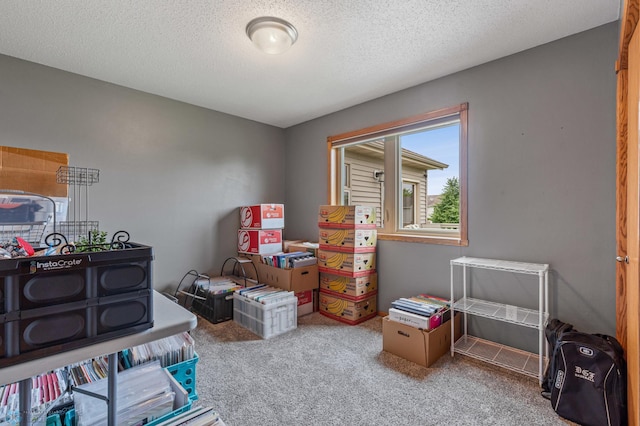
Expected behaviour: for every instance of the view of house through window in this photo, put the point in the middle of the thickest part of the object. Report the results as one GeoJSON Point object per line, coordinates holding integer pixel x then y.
{"type": "Point", "coordinates": [432, 155]}
{"type": "Point", "coordinates": [412, 173]}
{"type": "Point", "coordinates": [409, 204]}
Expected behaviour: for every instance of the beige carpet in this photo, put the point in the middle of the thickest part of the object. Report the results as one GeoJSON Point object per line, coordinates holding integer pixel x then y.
{"type": "Point", "coordinates": [328, 373]}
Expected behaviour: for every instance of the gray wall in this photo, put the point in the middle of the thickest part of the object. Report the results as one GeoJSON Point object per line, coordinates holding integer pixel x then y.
{"type": "Point", "coordinates": [541, 171]}
{"type": "Point", "coordinates": [541, 179]}
{"type": "Point", "coordinates": [171, 174]}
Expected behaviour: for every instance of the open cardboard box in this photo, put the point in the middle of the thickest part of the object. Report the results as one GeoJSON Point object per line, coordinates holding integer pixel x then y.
{"type": "Point", "coordinates": [416, 345]}
{"type": "Point", "coordinates": [294, 279]}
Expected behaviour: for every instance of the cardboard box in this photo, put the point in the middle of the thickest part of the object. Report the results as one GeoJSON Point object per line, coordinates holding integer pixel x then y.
{"type": "Point", "coordinates": [303, 246]}
{"type": "Point", "coordinates": [347, 217]}
{"type": "Point", "coordinates": [347, 264]}
{"type": "Point", "coordinates": [296, 279]}
{"type": "Point", "coordinates": [31, 159]}
{"type": "Point", "coordinates": [348, 240]}
{"type": "Point", "coordinates": [348, 311]}
{"type": "Point", "coordinates": [259, 241]}
{"type": "Point", "coordinates": [349, 287]}
{"type": "Point", "coordinates": [415, 345]}
{"type": "Point", "coordinates": [262, 216]}
{"type": "Point", "coordinates": [32, 171]}
{"type": "Point", "coordinates": [287, 243]}
{"type": "Point", "coordinates": [305, 302]}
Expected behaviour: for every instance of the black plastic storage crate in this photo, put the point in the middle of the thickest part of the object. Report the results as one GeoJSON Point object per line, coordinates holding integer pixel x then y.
{"type": "Point", "coordinates": [40, 281]}
{"type": "Point", "coordinates": [63, 302]}
{"type": "Point", "coordinates": [216, 308]}
{"type": "Point", "coordinates": [124, 311]}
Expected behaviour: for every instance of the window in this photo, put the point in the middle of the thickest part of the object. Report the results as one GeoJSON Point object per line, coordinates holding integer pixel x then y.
{"type": "Point", "coordinates": [346, 175]}
{"type": "Point", "coordinates": [409, 203]}
{"type": "Point", "coordinates": [413, 171]}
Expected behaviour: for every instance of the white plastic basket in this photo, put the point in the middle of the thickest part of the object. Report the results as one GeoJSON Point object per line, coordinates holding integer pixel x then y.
{"type": "Point", "coordinates": [266, 320]}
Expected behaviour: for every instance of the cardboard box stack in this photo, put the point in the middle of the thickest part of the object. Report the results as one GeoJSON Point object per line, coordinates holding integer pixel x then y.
{"type": "Point", "coordinates": [260, 239]}
{"type": "Point", "coordinates": [261, 229]}
{"type": "Point", "coordinates": [347, 263]}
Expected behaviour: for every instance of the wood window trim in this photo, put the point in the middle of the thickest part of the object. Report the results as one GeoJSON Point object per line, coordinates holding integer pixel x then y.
{"type": "Point", "coordinates": [462, 111]}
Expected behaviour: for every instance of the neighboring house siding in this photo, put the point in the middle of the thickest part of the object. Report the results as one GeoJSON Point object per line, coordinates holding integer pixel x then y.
{"type": "Point", "coordinates": [417, 176]}
{"type": "Point", "coordinates": [366, 190]}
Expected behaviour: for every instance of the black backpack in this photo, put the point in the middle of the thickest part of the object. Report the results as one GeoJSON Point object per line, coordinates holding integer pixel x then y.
{"type": "Point", "coordinates": [554, 330]}
{"type": "Point", "coordinates": [586, 376]}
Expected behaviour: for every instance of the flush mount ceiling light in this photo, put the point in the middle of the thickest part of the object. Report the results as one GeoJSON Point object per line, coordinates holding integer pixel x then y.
{"type": "Point", "coordinates": [271, 35]}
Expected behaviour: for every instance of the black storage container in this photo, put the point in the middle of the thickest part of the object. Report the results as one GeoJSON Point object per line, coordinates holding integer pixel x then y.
{"type": "Point", "coordinates": [63, 302]}
{"type": "Point", "coordinates": [32, 282]}
{"type": "Point", "coordinates": [216, 308]}
{"type": "Point", "coordinates": [46, 327]}
{"type": "Point", "coordinates": [124, 312]}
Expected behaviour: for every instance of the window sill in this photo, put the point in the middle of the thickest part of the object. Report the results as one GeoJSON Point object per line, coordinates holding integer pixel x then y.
{"type": "Point", "coordinates": [427, 239]}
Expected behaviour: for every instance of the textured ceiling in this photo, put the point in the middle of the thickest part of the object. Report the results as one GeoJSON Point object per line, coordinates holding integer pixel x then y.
{"type": "Point", "coordinates": [348, 51]}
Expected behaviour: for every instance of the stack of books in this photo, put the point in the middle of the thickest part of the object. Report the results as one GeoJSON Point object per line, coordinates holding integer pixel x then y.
{"type": "Point", "coordinates": [423, 311]}
{"type": "Point", "coordinates": [168, 351]}
{"type": "Point", "coordinates": [296, 259]}
{"type": "Point", "coordinates": [265, 294]}
{"type": "Point", "coordinates": [217, 285]}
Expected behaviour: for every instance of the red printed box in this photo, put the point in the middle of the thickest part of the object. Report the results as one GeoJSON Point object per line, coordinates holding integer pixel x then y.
{"type": "Point", "coordinates": [259, 241]}
{"type": "Point", "coordinates": [354, 217]}
{"type": "Point", "coordinates": [262, 216]}
{"type": "Point", "coordinates": [354, 288]}
{"type": "Point", "coordinates": [346, 264]}
{"type": "Point", "coordinates": [305, 302]}
{"type": "Point", "coordinates": [348, 240]}
{"type": "Point", "coordinates": [348, 311]}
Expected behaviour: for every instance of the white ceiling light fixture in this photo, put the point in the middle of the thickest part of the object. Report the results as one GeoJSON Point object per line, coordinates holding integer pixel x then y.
{"type": "Point", "coordinates": [271, 35]}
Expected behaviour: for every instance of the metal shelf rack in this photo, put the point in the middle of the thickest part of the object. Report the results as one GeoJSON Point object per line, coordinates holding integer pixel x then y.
{"type": "Point", "coordinates": [495, 353]}
{"type": "Point", "coordinates": [78, 179]}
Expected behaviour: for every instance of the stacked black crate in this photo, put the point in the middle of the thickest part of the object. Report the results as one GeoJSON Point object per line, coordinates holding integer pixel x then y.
{"type": "Point", "coordinates": [63, 302]}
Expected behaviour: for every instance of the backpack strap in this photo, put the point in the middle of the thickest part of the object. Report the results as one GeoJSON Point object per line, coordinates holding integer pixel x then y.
{"type": "Point", "coordinates": [554, 329]}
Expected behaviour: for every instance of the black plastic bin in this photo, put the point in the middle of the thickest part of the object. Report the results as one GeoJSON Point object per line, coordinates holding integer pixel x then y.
{"type": "Point", "coordinates": [32, 282]}
{"type": "Point", "coordinates": [63, 302]}
{"type": "Point", "coordinates": [216, 308]}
